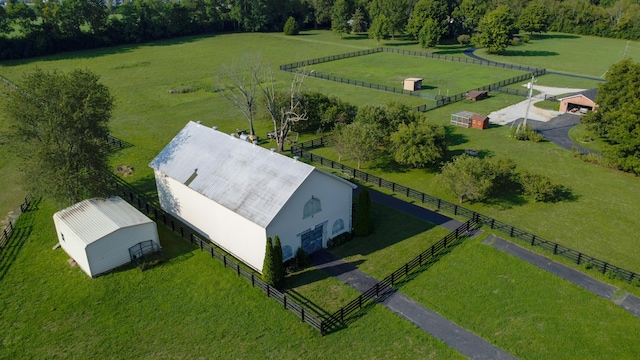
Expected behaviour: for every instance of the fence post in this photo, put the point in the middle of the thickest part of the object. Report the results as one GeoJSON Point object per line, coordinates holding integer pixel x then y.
{"type": "Point", "coordinates": [285, 301]}
{"type": "Point", "coordinates": [579, 256]}
{"type": "Point", "coordinates": [492, 222]}
{"type": "Point", "coordinates": [511, 232]}
{"type": "Point", "coordinates": [224, 260]}
{"type": "Point", "coordinates": [420, 259]}
{"type": "Point", "coordinates": [604, 268]}
{"type": "Point", "coordinates": [238, 267]}
{"type": "Point", "coordinates": [555, 249]}
{"type": "Point", "coordinates": [533, 241]}
{"type": "Point", "coordinates": [269, 295]}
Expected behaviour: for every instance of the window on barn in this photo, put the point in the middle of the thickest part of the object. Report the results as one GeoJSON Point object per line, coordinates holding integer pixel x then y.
{"type": "Point", "coordinates": [287, 253]}
{"type": "Point", "coordinates": [311, 208]}
{"type": "Point", "coordinates": [338, 226]}
{"type": "Point", "coordinates": [62, 236]}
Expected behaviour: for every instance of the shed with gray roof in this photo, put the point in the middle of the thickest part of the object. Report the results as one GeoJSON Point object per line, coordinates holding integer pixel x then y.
{"type": "Point", "coordinates": [99, 234]}
{"type": "Point", "coordinates": [236, 194]}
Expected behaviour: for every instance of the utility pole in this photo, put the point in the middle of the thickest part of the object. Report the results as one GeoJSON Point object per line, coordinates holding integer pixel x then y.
{"type": "Point", "coordinates": [626, 48]}
{"type": "Point", "coordinates": [526, 114]}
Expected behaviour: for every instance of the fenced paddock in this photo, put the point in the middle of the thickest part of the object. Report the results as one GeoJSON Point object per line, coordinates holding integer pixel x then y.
{"type": "Point", "coordinates": [445, 81]}
{"type": "Point", "coordinates": [577, 257]}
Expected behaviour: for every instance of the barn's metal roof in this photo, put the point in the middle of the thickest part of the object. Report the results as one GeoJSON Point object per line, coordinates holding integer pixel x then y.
{"type": "Point", "coordinates": [92, 219]}
{"type": "Point", "coordinates": [248, 179]}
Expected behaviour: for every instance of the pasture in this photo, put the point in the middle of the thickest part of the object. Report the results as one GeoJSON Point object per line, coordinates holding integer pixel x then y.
{"type": "Point", "coordinates": [191, 307]}
{"type": "Point", "coordinates": [440, 77]}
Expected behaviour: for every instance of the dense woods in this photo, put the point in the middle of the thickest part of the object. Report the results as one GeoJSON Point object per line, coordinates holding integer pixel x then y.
{"type": "Point", "coordinates": [41, 27]}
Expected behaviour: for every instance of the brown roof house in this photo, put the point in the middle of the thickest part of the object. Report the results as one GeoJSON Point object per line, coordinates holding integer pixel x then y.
{"type": "Point", "coordinates": [476, 95]}
{"type": "Point", "coordinates": [580, 102]}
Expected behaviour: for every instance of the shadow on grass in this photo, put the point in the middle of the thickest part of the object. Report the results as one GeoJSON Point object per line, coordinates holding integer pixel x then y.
{"type": "Point", "coordinates": [553, 36]}
{"type": "Point", "coordinates": [449, 51]}
{"type": "Point", "coordinates": [563, 193]}
{"type": "Point", "coordinates": [21, 232]}
{"type": "Point", "coordinates": [454, 138]}
{"type": "Point", "coordinates": [146, 186]}
{"type": "Point", "coordinates": [389, 227]}
{"type": "Point", "coordinates": [387, 164]}
{"type": "Point", "coordinates": [402, 43]}
{"type": "Point", "coordinates": [506, 197]}
{"type": "Point", "coordinates": [528, 53]}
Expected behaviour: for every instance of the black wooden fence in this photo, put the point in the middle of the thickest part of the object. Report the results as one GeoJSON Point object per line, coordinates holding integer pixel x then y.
{"type": "Point", "coordinates": [302, 150]}
{"type": "Point", "coordinates": [386, 286]}
{"type": "Point", "coordinates": [306, 315]}
{"type": "Point", "coordinates": [440, 100]}
{"type": "Point", "coordinates": [8, 230]}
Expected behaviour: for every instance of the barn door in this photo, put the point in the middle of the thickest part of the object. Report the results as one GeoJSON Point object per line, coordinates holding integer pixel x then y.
{"type": "Point", "coordinates": [312, 240]}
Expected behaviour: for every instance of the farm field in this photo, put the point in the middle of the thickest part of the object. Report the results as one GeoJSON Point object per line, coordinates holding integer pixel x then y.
{"type": "Point", "coordinates": [50, 310]}
{"type": "Point", "coordinates": [574, 54]}
{"type": "Point", "coordinates": [440, 77]}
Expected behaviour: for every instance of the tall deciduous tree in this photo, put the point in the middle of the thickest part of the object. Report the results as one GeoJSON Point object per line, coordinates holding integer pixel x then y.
{"type": "Point", "coordinates": [495, 30]}
{"type": "Point", "coordinates": [238, 83]}
{"type": "Point", "coordinates": [285, 113]}
{"type": "Point", "coordinates": [435, 10]}
{"type": "Point", "coordinates": [380, 28]}
{"type": "Point", "coordinates": [358, 141]}
{"type": "Point", "coordinates": [397, 11]}
{"type": "Point", "coordinates": [358, 24]}
{"type": "Point", "coordinates": [534, 18]}
{"type": "Point", "coordinates": [61, 128]}
{"type": "Point", "coordinates": [430, 33]}
{"type": "Point", "coordinates": [340, 15]}
{"type": "Point", "coordinates": [418, 144]}
{"type": "Point", "coordinates": [617, 118]}
{"type": "Point", "coordinates": [467, 16]}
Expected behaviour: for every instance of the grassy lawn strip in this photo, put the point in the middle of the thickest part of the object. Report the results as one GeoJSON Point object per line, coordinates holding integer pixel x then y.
{"type": "Point", "coordinates": [522, 309]}
{"type": "Point", "coordinates": [188, 307]}
{"type": "Point", "coordinates": [397, 238]}
{"type": "Point", "coordinates": [439, 77]}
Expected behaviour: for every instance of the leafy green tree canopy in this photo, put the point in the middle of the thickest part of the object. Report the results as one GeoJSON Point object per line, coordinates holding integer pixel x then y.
{"type": "Point", "coordinates": [418, 144]}
{"type": "Point", "coordinates": [291, 27]}
{"type": "Point", "coordinates": [60, 123]}
{"type": "Point", "coordinates": [423, 10]}
{"type": "Point", "coordinates": [495, 30]}
{"type": "Point", "coordinates": [617, 118]}
{"type": "Point", "coordinates": [380, 28]}
{"type": "Point", "coordinates": [534, 18]}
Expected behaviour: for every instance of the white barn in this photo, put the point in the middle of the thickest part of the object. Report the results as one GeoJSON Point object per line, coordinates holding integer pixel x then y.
{"type": "Point", "coordinates": [98, 233]}
{"type": "Point", "coordinates": [236, 194]}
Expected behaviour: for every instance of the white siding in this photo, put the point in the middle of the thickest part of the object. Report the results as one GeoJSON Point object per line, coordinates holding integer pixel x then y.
{"type": "Point", "coordinates": [335, 197]}
{"type": "Point", "coordinates": [112, 250]}
{"type": "Point", "coordinates": [232, 232]}
{"type": "Point", "coordinates": [72, 244]}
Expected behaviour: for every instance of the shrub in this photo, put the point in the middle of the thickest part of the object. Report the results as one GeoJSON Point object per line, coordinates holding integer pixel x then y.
{"type": "Point", "coordinates": [525, 134]}
{"type": "Point", "coordinates": [291, 27]}
{"type": "Point", "coordinates": [278, 267]}
{"type": "Point", "coordinates": [267, 265]}
{"type": "Point", "coordinates": [339, 240]}
{"type": "Point", "coordinates": [526, 38]}
{"type": "Point", "coordinates": [538, 186]}
{"type": "Point", "coordinates": [302, 259]}
{"type": "Point", "coordinates": [464, 39]}
{"type": "Point", "coordinates": [362, 225]}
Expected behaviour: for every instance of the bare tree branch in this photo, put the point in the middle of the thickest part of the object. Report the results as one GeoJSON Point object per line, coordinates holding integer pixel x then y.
{"type": "Point", "coordinates": [238, 83]}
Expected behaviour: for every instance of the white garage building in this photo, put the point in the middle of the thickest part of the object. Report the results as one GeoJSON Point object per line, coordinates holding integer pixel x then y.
{"type": "Point", "coordinates": [236, 194]}
{"type": "Point", "coordinates": [99, 233]}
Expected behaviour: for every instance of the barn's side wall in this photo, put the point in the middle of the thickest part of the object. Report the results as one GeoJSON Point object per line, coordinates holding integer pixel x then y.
{"type": "Point", "coordinates": [232, 232]}
{"type": "Point", "coordinates": [73, 246]}
{"type": "Point", "coordinates": [112, 250]}
{"type": "Point", "coordinates": [336, 202]}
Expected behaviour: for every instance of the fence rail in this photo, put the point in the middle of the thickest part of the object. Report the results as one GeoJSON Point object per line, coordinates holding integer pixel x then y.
{"type": "Point", "coordinates": [386, 286]}
{"type": "Point", "coordinates": [439, 99]}
{"type": "Point", "coordinates": [8, 230]}
{"type": "Point", "coordinates": [305, 314]}
{"type": "Point", "coordinates": [302, 150]}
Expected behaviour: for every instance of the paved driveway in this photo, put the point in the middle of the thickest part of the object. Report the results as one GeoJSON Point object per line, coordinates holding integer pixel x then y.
{"type": "Point", "coordinates": [557, 129]}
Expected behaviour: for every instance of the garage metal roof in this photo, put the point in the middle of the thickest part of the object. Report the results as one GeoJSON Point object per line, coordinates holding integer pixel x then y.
{"type": "Point", "coordinates": [93, 219]}
{"type": "Point", "coordinates": [248, 179]}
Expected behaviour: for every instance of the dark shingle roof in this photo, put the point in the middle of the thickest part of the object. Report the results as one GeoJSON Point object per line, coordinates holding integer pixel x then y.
{"type": "Point", "coordinates": [589, 94]}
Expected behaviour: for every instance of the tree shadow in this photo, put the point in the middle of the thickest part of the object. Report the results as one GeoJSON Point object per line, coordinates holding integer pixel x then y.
{"type": "Point", "coordinates": [388, 165]}
{"type": "Point", "coordinates": [528, 53]}
{"type": "Point", "coordinates": [563, 193]}
{"type": "Point", "coordinates": [355, 37]}
{"type": "Point", "coordinates": [401, 43]}
{"type": "Point", "coordinates": [506, 197]}
{"type": "Point", "coordinates": [554, 36]}
{"type": "Point", "coordinates": [454, 138]}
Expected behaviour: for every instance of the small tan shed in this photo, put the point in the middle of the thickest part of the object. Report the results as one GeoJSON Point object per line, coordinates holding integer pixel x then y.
{"type": "Point", "coordinates": [412, 84]}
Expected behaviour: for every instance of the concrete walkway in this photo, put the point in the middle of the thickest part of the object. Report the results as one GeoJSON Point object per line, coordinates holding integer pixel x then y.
{"type": "Point", "coordinates": [456, 337]}
{"type": "Point", "coordinates": [628, 302]}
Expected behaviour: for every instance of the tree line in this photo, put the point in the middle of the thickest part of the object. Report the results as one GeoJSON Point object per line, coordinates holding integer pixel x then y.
{"type": "Point", "coordinates": [42, 27]}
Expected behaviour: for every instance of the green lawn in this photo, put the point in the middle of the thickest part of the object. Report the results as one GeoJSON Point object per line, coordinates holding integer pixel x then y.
{"type": "Point", "coordinates": [440, 77]}
{"type": "Point", "coordinates": [188, 307]}
{"type": "Point", "coordinates": [522, 309]}
{"type": "Point", "coordinates": [575, 54]}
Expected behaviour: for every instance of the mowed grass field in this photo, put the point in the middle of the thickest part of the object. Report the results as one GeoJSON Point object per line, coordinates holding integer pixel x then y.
{"type": "Point", "coordinates": [440, 77]}
{"type": "Point", "coordinates": [191, 307]}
